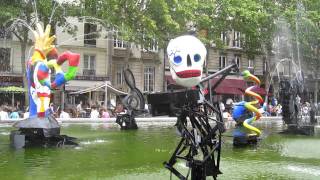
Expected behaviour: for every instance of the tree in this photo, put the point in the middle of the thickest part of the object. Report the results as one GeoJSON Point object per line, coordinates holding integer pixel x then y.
{"type": "Point", "coordinates": [304, 17]}
{"type": "Point", "coordinates": [19, 16]}
{"type": "Point", "coordinates": [308, 37]}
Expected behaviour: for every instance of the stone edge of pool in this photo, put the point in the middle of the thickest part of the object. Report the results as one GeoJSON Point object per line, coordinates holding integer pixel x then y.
{"type": "Point", "coordinates": [112, 120]}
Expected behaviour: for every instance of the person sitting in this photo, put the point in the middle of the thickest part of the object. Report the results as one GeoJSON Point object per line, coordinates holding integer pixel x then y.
{"type": "Point", "coordinates": [64, 114]}
{"type": "Point", "coordinates": [14, 114]}
{"type": "Point", "coordinates": [119, 109]}
{"type": "Point", "coordinates": [104, 113]}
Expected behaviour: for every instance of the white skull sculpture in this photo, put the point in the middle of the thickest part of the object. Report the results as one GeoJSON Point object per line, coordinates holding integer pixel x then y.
{"type": "Point", "coordinates": [187, 55]}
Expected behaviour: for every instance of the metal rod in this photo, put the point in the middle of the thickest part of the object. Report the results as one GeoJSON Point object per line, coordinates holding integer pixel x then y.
{"type": "Point", "coordinates": [228, 68]}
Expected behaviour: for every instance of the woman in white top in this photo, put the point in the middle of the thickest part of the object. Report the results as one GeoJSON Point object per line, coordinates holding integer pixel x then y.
{"type": "Point", "coordinates": [3, 114]}
{"type": "Point", "coordinates": [94, 113]}
{"type": "Point", "coordinates": [64, 114]}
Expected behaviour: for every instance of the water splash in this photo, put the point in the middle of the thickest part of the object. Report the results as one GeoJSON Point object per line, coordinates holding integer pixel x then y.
{"type": "Point", "coordinates": [17, 21]}
{"type": "Point", "coordinates": [305, 170]}
{"type": "Point", "coordinates": [97, 141]}
{"type": "Point", "coordinates": [74, 38]}
{"type": "Point", "coordinates": [34, 3]}
{"type": "Point", "coordinates": [285, 60]}
{"type": "Point", "coordinates": [53, 11]}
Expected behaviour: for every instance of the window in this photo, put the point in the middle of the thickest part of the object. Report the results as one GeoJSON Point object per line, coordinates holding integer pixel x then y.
{"type": "Point", "coordinates": [118, 42]}
{"type": "Point", "coordinates": [90, 34]}
{"type": "Point", "coordinates": [286, 68]}
{"type": "Point", "coordinates": [250, 63]}
{"type": "Point", "coordinates": [223, 37]}
{"type": "Point", "coordinates": [89, 65]}
{"type": "Point", "coordinates": [149, 79]}
{"type": "Point", "coordinates": [4, 34]}
{"type": "Point", "coordinates": [119, 75]}
{"type": "Point", "coordinates": [236, 40]}
{"type": "Point", "coordinates": [265, 65]}
{"type": "Point", "coordinates": [237, 60]}
{"type": "Point", "coordinates": [151, 45]}
{"type": "Point", "coordinates": [91, 7]}
{"type": "Point", "coordinates": [142, 4]}
{"type": "Point", "coordinates": [5, 54]}
{"type": "Point", "coordinates": [222, 61]}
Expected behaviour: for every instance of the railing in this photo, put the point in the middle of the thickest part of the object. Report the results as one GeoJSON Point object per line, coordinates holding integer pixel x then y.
{"type": "Point", "coordinates": [89, 72]}
{"type": "Point", "coordinates": [92, 78]}
{"type": "Point", "coordinates": [4, 34]}
{"type": "Point", "coordinates": [147, 55]}
{"type": "Point", "coordinates": [4, 69]}
{"type": "Point", "coordinates": [90, 42]}
{"type": "Point", "coordinates": [120, 52]}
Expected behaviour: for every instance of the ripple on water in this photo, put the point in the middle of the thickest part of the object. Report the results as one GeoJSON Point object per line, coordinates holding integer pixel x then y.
{"type": "Point", "coordinates": [315, 171]}
{"type": "Point", "coordinates": [301, 148]}
{"type": "Point", "coordinates": [5, 133]}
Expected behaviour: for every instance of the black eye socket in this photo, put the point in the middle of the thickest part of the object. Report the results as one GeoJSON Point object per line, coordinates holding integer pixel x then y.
{"type": "Point", "coordinates": [177, 59]}
{"type": "Point", "coordinates": [197, 57]}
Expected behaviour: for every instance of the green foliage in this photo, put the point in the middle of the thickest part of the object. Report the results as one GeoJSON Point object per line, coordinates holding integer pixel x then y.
{"type": "Point", "coordinates": [142, 20]}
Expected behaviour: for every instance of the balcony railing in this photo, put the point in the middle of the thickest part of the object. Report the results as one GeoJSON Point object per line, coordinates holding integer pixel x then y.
{"type": "Point", "coordinates": [4, 34]}
{"type": "Point", "coordinates": [90, 41]}
{"type": "Point", "coordinates": [89, 72]}
{"type": "Point", "coordinates": [120, 52]}
{"type": "Point", "coordinates": [5, 69]}
{"type": "Point", "coordinates": [148, 55]}
{"type": "Point", "coordinates": [92, 78]}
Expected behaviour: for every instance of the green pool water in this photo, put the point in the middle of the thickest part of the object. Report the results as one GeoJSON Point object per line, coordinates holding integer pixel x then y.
{"type": "Point", "coordinates": [108, 153]}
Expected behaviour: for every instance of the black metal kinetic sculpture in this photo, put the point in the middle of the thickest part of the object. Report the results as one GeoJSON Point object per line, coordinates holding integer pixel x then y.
{"type": "Point", "coordinates": [200, 122]}
{"type": "Point", "coordinates": [133, 102]}
{"type": "Point", "coordinates": [200, 125]}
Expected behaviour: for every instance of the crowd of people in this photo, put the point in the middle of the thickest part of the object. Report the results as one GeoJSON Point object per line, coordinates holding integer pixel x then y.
{"type": "Point", "coordinates": [273, 108]}
{"type": "Point", "coordinates": [97, 111]}
{"type": "Point", "coordinates": [80, 111]}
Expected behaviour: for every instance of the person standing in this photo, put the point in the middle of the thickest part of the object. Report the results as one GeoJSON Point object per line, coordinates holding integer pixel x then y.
{"type": "Point", "coordinates": [3, 114]}
{"type": "Point", "coordinates": [80, 111]}
{"type": "Point", "coordinates": [222, 107]}
{"type": "Point", "coordinates": [79, 106]}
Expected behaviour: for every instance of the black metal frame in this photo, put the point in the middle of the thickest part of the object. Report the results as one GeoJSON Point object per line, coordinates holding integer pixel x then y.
{"type": "Point", "coordinates": [127, 121]}
{"type": "Point", "coordinates": [202, 135]}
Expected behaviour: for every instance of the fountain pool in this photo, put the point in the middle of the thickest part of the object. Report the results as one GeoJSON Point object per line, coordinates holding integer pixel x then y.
{"type": "Point", "coordinates": [105, 152]}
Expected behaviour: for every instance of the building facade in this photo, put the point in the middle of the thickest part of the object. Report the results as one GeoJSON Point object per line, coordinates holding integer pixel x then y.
{"type": "Point", "coordinates": [103, 57]}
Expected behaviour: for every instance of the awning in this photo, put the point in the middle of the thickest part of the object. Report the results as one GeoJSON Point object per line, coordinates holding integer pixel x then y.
{"type": "Point", "coordinates": [260, 91]}
{"type": "Point", "coordinates": [229, 86]}
{"type": "Point", "coordinates": [77, 85]}
{"type": "Point", "coordinates": [100, 87]}
{"type": "Point", "coordinates": [236, 87]}
{"type": "Point", "coordinates": [12, 89]}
